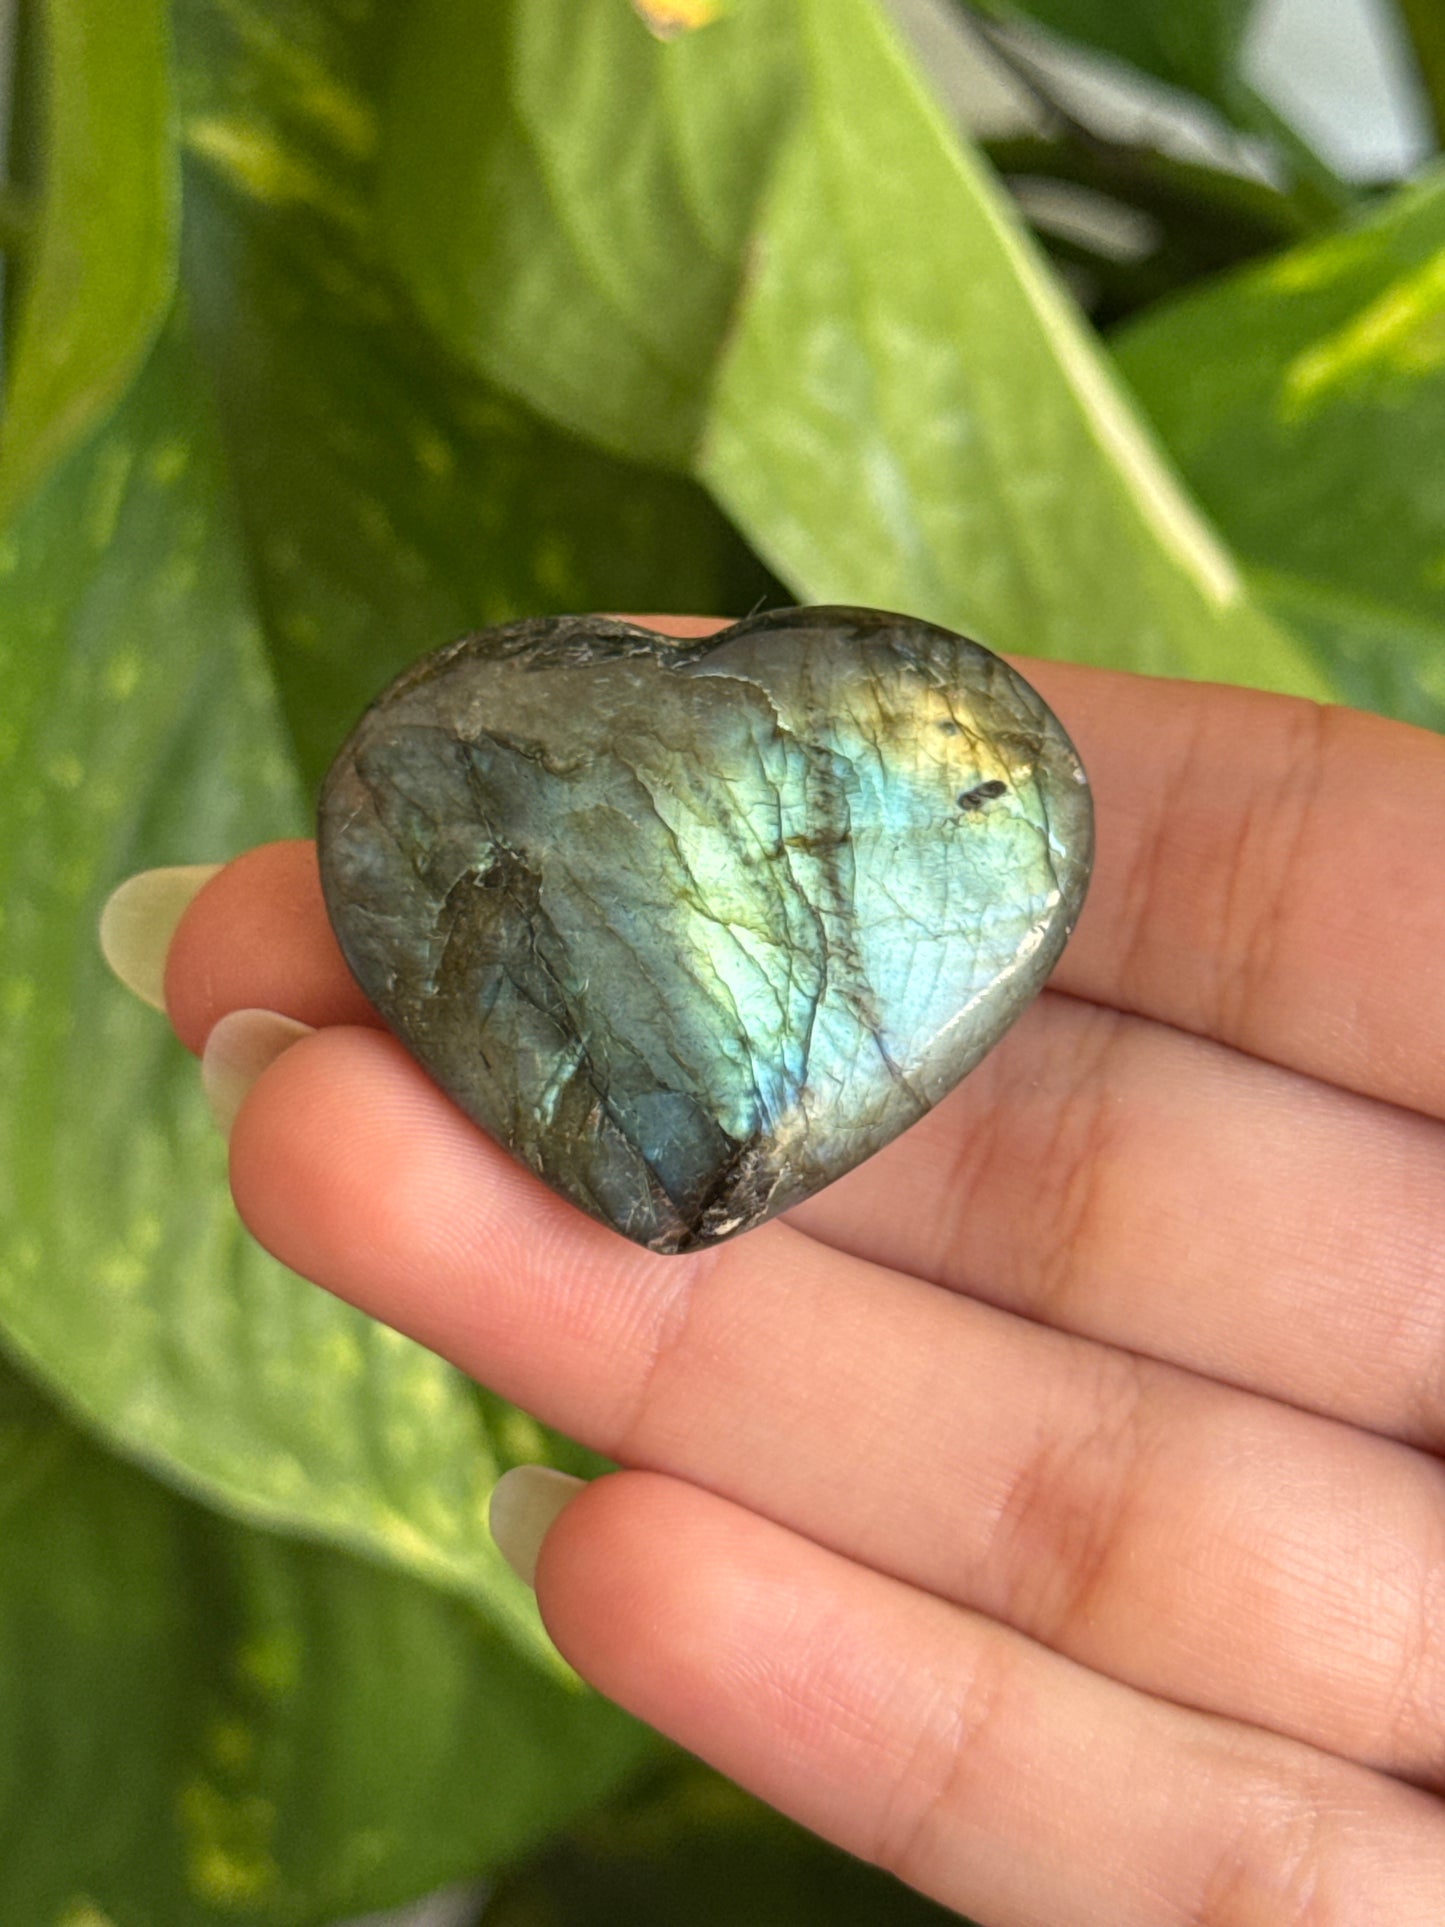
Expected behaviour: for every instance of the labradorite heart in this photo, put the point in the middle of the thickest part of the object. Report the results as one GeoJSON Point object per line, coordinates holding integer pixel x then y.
{"type": "Point", "coordinates": [693, 928]}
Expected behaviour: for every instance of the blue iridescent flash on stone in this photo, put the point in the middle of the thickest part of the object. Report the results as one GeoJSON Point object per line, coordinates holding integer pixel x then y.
{"type": "Point", "coordinates": [694, 928]}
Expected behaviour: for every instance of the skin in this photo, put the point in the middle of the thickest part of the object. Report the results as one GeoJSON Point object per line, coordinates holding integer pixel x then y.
{"type": "Point", "coordinates": [1053, 1510]}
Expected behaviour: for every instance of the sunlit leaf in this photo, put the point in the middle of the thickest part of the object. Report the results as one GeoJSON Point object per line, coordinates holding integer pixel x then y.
{"type": "Point", "coordinates": [389, 500]}
{"type": "Point", "coordinates": [200, 1723]}
{"type": "Point", "coordinates": [1318, 450]}
{"type": "Point", "coordinates": [141, 727]}
{"type": "Point", "coordinates": [298, 493]}
{"type": "Point", "coordinates": [169, 604]}
{"type": "Point", "coordinates": [762, 252]}
{"type": "Point", "coordinates": [104, 242]}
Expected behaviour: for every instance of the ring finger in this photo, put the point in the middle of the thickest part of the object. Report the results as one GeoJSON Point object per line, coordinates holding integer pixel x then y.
{"type": "Point", "coordinates": [1120, 1510]}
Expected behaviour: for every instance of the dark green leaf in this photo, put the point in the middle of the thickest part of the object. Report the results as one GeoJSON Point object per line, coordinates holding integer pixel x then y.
{"type": "Point", "coordinates": [388, 499]}
{"type": "Point", "coordinates": [1196, 220]}
{"type": "Point", "coordinates": [692, 1851]}
{"type": "Point", "coordinates": [1318, 450]}
{"type": "Point", "coordinates": [104, 257]}
{"type": "Point", "coordinates": [202, 1723]}
{"type": "Point", "coordinates": [1194, 44]}
{"type": "Point", "coordinates": [571, 200]}
{"type": "Point", "coordinates": [297, 487]}
{"type": "Point", "coordinates": [140, 727]}
{"type": "Point", "coordinates": [902, 409]}
{"type": "Point", "coordinates": [298, 493]}
{"type": "Point", "coordinates": [1424, 23]}
{"type": "Point", "coordinates": [145, 595]}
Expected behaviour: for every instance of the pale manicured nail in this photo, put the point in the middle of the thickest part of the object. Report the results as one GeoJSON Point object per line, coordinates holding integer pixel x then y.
{"type": "Point", "coordinates": [525, 1501]}
{"type": "Point", "coordinates": [238, 1049]}
{"type": "Point", "coordinates": [138, 921]}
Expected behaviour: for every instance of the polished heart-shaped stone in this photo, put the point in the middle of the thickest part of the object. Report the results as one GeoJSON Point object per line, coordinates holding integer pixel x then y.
{"type": "Point", "coordinates": [693, 928]}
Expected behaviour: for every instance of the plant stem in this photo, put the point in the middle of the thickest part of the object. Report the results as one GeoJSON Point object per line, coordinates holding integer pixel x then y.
{"type": "Point", "coordinates": [1254, 213]}
{"type": "Point", "coordinates": [1316, 189]}
{"type": "Point", "coordinates": [1424, 23]}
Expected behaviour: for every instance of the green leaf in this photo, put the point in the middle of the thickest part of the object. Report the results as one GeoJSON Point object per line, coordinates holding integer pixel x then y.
{"type": "Point", "coordinates": [1318, 450]}
{"type": "Point", "coordinates": [571, 200]}
{"type": "Point", "coordinates": [389, 499]}
{"type": "Point", "coordinates": [689, 1850]}
{"type": "Point", "coordinates": [875, 374]}
{"type": "Point", "coordinates": [202, 1723]}
{"type": "Point", "coordinates": [153, 597]}
{"type": "Point", "coordinates": [1194, 45]}
{"type": "Point", "coordinates": [105, 245]}
{"type": "Point", "coordinates": [140, 727]}
{"type": "Point", "coordinates": [1424, 23]}
{"type": "Point", "coordinates": [298, 493]}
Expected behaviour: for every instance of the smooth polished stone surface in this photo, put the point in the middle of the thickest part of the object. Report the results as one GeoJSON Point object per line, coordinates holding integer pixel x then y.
{"type": "Point", "coordinates": [693, 928]}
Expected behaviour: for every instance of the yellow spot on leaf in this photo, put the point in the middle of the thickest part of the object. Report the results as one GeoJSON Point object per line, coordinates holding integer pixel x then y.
{"type": "Point", "coordinates": [342, 1356]}
{"type": "Point", "coordinates": [667, 18]}
{"type": "Point", "coordinates": [273, 1663]}
{"type": "Point", "coordinates": [82, 1913]}
{"type": "Point", "coordinates": [428, 1392]}
{"type": "Point", "coordinates": [231, 1744]}
{"type": "Point", "coordinates": [168, 461]}
{"type": "Point", "coordinates": [121, 1271]}
{"type": "Point", "coordinates": [122, 673]}
{"type": "Point", "coordinates": [407, 1541]}
{"type": "Point", "coordinates": [228, 1857]}
{"type": "Point", "coordinates": [1401, 332]}
{"type": "Point", "coordinates": [17, 994]}
{"type": "Point", "coordinates": [522, 1438]}
{"type": "Point", "coordinates": [434, 454]}
{"type": "Point", "coordinates": [281, 66]}
{"type": "Point", "coordinates": [301, 629]}
{"type": "Point", "coordinates": [65, 771]}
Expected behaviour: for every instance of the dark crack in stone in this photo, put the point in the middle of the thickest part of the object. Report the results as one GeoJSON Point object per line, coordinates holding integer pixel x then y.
{"type": "Point", "coordinates": [694, 928]}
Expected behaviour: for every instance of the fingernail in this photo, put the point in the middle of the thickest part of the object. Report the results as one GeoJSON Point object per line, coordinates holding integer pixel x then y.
{"type": "Point", "coordinates": [525, 1501]}
{"type": "Point", "coordinates": [138, 921]}
{"type": "Point", "coordinates": [238, 1049]}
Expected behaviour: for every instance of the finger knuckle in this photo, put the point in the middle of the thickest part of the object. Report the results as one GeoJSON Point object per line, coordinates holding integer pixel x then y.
{"type": "Point", "coordinates": [954, 1754]}
{"type": "Point", "coordinates": [1066, 1519]}
{"type": "Point", "coordinates": [1275, 1868]}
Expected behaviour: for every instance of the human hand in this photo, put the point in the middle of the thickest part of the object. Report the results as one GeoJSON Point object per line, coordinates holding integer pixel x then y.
{"type": "Point", "coordinates": [1052, 1509]}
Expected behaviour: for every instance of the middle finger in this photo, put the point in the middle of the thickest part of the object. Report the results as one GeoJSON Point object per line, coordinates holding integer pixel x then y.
{"type": "Point", "coordinates": [1193, 1540]}
{"type": "Point", "coordinates": [1098, 1171]}
{"type": "Point", "coordinates": [1162, 1192]}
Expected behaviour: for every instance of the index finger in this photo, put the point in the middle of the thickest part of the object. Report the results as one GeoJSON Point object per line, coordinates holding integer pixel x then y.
{"type": "Point", "coordinates": [1270, 872]}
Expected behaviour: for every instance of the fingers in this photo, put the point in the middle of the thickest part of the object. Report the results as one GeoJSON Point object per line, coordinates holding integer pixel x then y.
{"type": "Point", "coordinates": [1101, 1173]}
{"type": "Point", "coordinates": [1207, 1546]}
{"type": "Point", "coordinates": [257, 938]}
{"type": "Point", "coordinates": [1121, 1179]}
{"type": "Point", "coordinates": [1269, 873]}
{"type": "Point", "coordinates": [1002, 1780]}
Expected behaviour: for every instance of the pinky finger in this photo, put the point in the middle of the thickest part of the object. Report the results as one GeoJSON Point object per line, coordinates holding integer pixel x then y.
{"type": "Point", "coordinates": [988, 1772]}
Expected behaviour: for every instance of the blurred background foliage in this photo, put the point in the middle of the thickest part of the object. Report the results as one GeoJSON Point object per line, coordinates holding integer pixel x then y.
{"type": "Point", "coordinates": [333, 328]}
